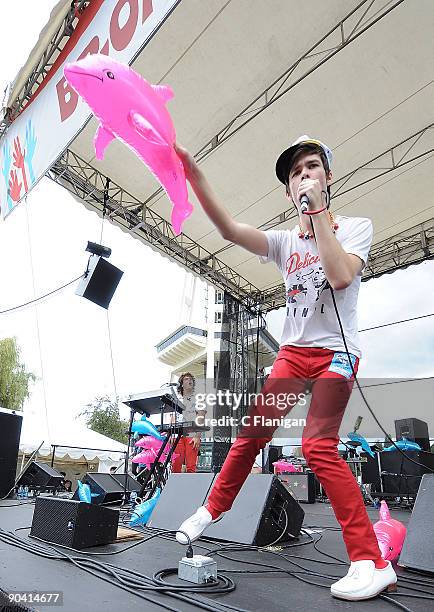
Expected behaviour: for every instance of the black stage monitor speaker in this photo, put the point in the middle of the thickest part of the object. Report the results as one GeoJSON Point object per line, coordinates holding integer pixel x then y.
{"type": "Point", "coordinates": [413, 429]}
{"type": "Point", "coordinates": [300, 486]}
{"type": "Point", "coordinates": [40, 474]}
{"type": "Point", "coordinates": [262, 512]}
{"type": "Point", "coordinates": [73, 523]}
{"type": "Point", "coordinates": [418, 550]}
{"type": "Point", "coordinates": [109, 488]}
{"type": "Point", "coordinates": [101, 281]}
{"type": "Point", "coordinates": [10, 431]}
{"type": "Point", "coordinates": [180, 498]}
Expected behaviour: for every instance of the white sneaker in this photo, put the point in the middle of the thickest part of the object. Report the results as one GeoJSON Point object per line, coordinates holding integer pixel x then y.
{"type": "Point", "coordinates": [195, 525]}
{"type": "Point", "coordinates": [364, 581]}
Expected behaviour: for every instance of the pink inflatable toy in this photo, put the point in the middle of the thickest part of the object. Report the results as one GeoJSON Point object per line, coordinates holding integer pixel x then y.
{"type": "Point", "coordinates": [149, 442]}
{"type": "Point", "coordinates": [285, 466]}
{"type": "Point", "coordinates": [390, 534]}
{"type": "Point", "coordinates": [133, 110]}
{"type": "Point", "coordinates": [146, 457]}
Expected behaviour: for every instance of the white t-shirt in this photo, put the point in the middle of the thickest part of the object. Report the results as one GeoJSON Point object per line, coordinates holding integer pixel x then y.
{"type": "Point", "coordinates": [190, 412]}
{"type": "Point", "coordinates": [310, 315]}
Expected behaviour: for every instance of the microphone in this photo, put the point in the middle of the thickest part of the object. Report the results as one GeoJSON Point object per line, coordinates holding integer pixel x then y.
{"type": "Point", "coordinates": [304, 203]}
{"type": "Point", "coordinates": [358, 423]}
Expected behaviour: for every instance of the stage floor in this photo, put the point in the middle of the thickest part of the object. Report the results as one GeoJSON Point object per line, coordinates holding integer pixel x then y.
{"type": "Point", "coordinates": [271, 591]}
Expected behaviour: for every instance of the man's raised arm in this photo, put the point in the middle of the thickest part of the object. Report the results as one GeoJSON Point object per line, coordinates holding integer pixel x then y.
{"type": "Point", "coordinates": [244, 235]}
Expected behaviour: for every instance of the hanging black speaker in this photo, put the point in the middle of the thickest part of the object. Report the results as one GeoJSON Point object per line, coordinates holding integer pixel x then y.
{"type": "Point", "coordinates": [100, 281]}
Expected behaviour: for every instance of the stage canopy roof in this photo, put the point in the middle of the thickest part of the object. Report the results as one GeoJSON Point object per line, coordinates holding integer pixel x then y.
{"type": "Point", "coordinates": [249, 78]}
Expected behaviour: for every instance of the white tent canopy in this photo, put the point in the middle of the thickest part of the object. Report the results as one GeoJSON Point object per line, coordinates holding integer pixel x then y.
{"type": "Point", "coordinates": [373, 94]}
{"type": "Point", "coordinates": [72, 439]}
{"type": "Point", "coordinates": [248, 79]}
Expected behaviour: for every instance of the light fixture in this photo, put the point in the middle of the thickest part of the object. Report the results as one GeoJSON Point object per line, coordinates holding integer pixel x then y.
{"type": "Point", "coordinates": [98, 249]}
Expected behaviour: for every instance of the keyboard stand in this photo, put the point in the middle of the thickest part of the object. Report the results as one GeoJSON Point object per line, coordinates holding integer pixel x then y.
{"type": "Point", "coordinates": [152, 471]}
{"type": "Point", "coordinates": [152, 402]}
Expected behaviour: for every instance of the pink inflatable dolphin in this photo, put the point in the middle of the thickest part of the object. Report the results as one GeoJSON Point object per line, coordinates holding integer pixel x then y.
{"type": "Point", "coordinates": [149, 442]}
{"type": "Point", "coordinates": [146, 457]}
{"type": "Point", "coordinates": [390, 534]}
{"type": "Point", "coordinates": [133, 110]}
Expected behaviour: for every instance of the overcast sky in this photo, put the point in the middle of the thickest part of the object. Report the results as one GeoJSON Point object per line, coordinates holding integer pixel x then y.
{"type": "Point", "coordinates": [70, 353]}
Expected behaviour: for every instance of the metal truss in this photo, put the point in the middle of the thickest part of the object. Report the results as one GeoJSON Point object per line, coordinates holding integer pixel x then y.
{"type": "Point", "coordinates": [391, 159]}
{"type": "Point", "coordinates": [232, 374]}
{"type": "Point", "coordinates": [398, 252]}
{"type": "Point", "coordinates": [356, 23]}
{"type": "Point", "coordinates": [239, 325]}
{"type": "Point", "coordinates": [44, 64]}
{"type": "Point", "coordinates": [346, 31]}
{"type": "Point", "coordinates": [89, 185]}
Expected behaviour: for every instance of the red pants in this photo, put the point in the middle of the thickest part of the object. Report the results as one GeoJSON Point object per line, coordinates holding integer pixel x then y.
{"type": "Point", "coordinates": [330, 394]}
{"type": "Point", "coordinates": [186, 454]}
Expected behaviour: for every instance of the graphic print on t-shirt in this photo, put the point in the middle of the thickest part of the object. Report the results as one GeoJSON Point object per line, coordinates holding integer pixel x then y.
{"type": "Point", "coordinates": [305, 280]}
{"type": "Point", "coordinates": [311, 319]}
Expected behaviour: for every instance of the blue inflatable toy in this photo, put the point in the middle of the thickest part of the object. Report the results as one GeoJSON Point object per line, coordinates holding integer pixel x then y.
{"type": "Point", "coordinates": [356, 437]}
{"type": "Point", "coordinates": [143, 511]}
{"type": "Point", "coordinates": [146, 428]}
{"type": "Point", "coordinates": [404, 445]}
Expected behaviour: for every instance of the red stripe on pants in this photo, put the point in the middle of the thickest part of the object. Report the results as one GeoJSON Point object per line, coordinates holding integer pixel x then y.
{"type": "Point", "coordinates": [330, 394]}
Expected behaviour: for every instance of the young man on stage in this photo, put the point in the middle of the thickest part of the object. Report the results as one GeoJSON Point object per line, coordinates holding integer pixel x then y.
{"type": "Point", "coordinates": [320, 254]}
{"type": "Point", "coordinates": [187, 449]}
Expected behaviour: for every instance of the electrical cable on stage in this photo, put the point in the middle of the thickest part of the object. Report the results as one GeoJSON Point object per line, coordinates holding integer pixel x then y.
{"type": "Point", "coordinates": [296, 575]}
{"type": "Point", "coordinates": [120, 576]}
{"type": "Point", "coordinates": [104, 554]}
{"type": "Point", "coordinates": [395, 603]}
{"type": "Point", "coordinates": [131, 580]}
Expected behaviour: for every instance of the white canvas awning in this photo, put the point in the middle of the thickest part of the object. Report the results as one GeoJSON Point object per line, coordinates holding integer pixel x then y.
{"type": "Point", "coordinates": [248, 79]}
{"type": "Point", "coordinates": [71, 438]}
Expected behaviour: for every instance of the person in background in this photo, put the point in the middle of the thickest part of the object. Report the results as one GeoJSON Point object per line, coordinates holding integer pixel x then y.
{"type": "Point", "coordinates": [188, 445]}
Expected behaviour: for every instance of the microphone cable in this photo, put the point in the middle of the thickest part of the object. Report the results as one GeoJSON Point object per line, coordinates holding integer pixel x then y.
{"type": "Point", "coordinates": [387, 436]}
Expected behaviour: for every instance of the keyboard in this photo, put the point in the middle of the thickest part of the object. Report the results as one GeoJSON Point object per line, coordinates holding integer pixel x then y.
{"type": "Point", "coordinates": [184, 428]}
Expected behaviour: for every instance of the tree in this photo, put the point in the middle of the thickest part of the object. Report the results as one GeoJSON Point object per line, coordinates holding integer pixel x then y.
{"type": "Point", "coordinates": [102, 415]}
{"type": "Point", "coordinates": [14, 378]}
